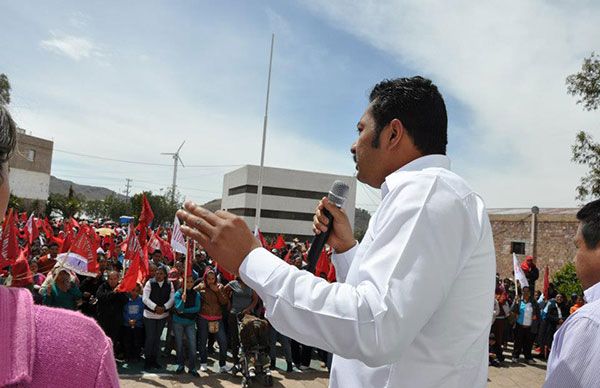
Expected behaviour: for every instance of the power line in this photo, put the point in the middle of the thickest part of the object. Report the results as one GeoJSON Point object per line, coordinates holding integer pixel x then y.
{"type": "Point", "coordinates": [143, 163]}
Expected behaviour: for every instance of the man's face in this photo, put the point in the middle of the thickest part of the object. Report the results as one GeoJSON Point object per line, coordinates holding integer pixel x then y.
{"type": "Point", "coordinates": [53, 250]}
{"type": "Point", "coordinates": [113, 279]}
{"type": "Point", "coordinates": [367, 157]}
{"type": "Point", "coordinates": [559, 298]}
{"type": "Point", "coordinates": [160, 275]}
{"type": "Point", "coordinates": [587, 261]}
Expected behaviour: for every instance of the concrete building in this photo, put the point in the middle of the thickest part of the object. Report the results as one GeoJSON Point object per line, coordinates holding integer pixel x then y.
{"type": "Point", "coordinates": [288, 201]}
{"type": "Point", "coordinates": [554, 232]}
{"type": "Point", "coordinates": [30, 169]}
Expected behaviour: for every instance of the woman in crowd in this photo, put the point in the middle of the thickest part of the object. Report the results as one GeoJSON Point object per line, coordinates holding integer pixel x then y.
{"type": "Point", "coordinates": [243, 301]}
{"type": "Point", "coordinates": [527, 312]}
{"type": "Point", "coordinates": [212, 296]}
{"type": "Point", "coordinates": [187, 306]}
{"type": "Point", "coordinates": [60, 290]}
{"type": "Point", "coordinates": [158, 299]}
{"type": "Point", "coordinates": [29, 338]}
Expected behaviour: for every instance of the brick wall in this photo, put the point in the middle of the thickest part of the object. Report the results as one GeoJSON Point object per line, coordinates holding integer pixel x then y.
{"type": "Point", "coordinates": [555, 234]}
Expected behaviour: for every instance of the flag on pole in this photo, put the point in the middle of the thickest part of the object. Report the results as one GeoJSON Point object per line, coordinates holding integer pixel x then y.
{"type": "Point", "coordinates": [519, 274]}
{"type": "Point", "coordinates": [135, 255]}
{"type": "Point", "coordinates": [189, 257]}
{"type": "Point", "coordinates": [546, 282]}
{"type": "Point", "coordinates": [279, 243]}
{"type": "Point", "coordinates": [9, 245]}
{"type": "Point", "coordinates": [177, 239]}
{"type": "Point", "coordinates": [146, 215]}
{"type": "Point", "coordinates": [81, 257]}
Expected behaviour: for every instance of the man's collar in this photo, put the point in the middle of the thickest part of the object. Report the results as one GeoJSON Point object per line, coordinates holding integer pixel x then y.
{"type": "Point", "coordinates": [593, 293]}
{"type": "Point", "coordinates": [422, 163]}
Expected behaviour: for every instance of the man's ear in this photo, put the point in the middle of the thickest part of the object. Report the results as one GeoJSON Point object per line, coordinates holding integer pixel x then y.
{"type": "Point", "coordinates": [395, 134]}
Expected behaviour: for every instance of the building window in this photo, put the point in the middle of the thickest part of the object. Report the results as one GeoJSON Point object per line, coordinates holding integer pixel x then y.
{"type": "Point", "coordinates": [31, 155]}
{"type": "Point", "coordinates": [517, 247]}
{"type": "Point", "coordinates": [277, 191]}
{"type": "Point", "coordinates": [277, 214]}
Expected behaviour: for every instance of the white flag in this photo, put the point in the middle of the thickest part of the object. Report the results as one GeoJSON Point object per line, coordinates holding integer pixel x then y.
{"type": "Point", "coordinates": [519, 274]}
{"type": "Point", "coordinates": [177, 238]}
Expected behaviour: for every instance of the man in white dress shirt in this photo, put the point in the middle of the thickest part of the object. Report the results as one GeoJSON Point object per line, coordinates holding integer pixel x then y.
{"type": "Point", "coordinates": [575, 355]}
{"type": "Point", "coordinates": [414, 300]}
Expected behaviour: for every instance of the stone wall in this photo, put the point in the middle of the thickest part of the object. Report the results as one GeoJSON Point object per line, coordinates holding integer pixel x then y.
{"type": "Point", "coordinates": [554, 238]}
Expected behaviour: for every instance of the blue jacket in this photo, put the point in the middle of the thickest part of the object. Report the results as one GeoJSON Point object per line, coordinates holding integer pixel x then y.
{"type": "Point", "coordinates": [180, 307]}
{"type": "Point", "coordinates": [134, 309]}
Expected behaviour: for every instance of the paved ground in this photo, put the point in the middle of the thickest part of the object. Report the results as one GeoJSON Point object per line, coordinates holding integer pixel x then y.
{"type": "Point", "coordinates": [511, 375]}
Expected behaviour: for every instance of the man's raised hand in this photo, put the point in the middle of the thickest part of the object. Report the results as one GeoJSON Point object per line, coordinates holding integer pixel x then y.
{"type": "Point", "coordinates": [223, 235]}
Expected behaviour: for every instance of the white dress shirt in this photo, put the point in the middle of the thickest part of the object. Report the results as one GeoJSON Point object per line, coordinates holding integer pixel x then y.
{"type": "Point", "coordinates": [151, 305]}
{"type": "Point", "coordinates": [413, 301]}
{"type": "Point", "coordinates": [575, 354]}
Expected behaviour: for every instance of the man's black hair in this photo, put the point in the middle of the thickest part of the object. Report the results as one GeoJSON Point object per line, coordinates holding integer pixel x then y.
{"type": "Point", "coordinates": [589, 216]}
{"type": "Point", "coordinates": [52, 244]}
{"type": "Point", "coordinates": [418, 104]}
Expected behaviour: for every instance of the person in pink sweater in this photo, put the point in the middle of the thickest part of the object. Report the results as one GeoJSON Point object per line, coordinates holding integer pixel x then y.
{"type": "Point", "coordinates": [43, 346]}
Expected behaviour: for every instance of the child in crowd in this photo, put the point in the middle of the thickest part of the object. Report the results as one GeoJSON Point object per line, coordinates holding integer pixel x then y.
{"type": "Point", "coordinates": [133, 325]}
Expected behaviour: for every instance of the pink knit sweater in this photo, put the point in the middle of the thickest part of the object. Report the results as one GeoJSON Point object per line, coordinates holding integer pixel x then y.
{"type": "Point", "coordinates": [49, 347]}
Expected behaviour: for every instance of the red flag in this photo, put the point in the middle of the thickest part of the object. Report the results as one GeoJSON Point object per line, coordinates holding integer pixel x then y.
{"type": "Point", "coordinates": [262, 240]}
{"type": "Point", "coordinates": [74, 223]}
{"type": "Point", "coordinates": [23, 217]}
{"type": "Point", "coordinates": [280, 243]}
{"type": "Point", "coordinates": [135, 255]}
{"type": "Point", "coordinates": [226, 274]}
{"type": "Point", "coordinates": [331, 275]}
{"type": "Point", "coordinates": [21, 275]}
{"type": "Point", "coordinates": [32, 229]}
{"type": "Point", "coordinates": [322, 267]}
{"type": "Point", "coordinates": [47, 228]}
{"type": "Point", "coordinates": [191, 247]}
{"type": "Point", "coordinates": [81, 257]}
{"type": "Point", "coordinates": [166, 249]}
{"type": "Point", "coordinates": [146, 215]}
{"type": "Point", "coordinates": [65, 244]}
{"type": "Point", "coordinates": [546, 282]}
{"type": "Point", "coordinates": [9, 247]}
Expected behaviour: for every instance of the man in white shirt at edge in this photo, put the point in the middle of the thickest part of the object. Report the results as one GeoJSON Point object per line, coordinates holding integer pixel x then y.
{"type": "Point", "coordinates": [575, 354]}
{"type": "Point", "coordinates": [414, 300]}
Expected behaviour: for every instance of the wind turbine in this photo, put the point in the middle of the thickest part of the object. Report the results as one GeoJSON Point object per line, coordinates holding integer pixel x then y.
{"type": "Point", "coordinates": [176, 161]}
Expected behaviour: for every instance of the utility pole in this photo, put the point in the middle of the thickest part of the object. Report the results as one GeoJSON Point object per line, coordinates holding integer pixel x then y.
{"type": "Point", "coordinates": [176, 161]}
{"type": "Point", "coordinates": [127, 188]}
{"type": "Point", "coordinates": [262, 152]}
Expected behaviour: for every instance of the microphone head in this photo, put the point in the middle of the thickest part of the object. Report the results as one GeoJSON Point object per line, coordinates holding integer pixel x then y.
{"type": "Point", "coordinates": [338, 193]}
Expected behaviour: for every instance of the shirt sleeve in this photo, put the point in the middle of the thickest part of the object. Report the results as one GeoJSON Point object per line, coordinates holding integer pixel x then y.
{"type": "Point", "coordinates": [171, 300]}
{"type": "Point", "coordinates": [414, 255]}
{"type": "Point", "coordinates": [573, 353]}
{"type": "Point", "coordinates": [146, 297]}
{"type": "Point", "coordinates": [342, 261]}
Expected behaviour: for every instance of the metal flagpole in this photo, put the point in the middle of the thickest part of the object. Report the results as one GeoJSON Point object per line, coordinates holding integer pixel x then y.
{"type": "Point", "coordinates": [262, 153]}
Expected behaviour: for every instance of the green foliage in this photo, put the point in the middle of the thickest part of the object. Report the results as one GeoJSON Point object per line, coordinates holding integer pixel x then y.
{"type": "Point", "coordinates": [587, 152]}
{"type": "Point", "coordinates": [164, 210]}
{"type": "Point", "coordinates": [586, 85]}
{"type": "Point", "coordinates": [67, 206]}
{"type": "Point", "coordinates": [15, 202]}
{"type": "Point", "coordinates": [566, 282]}
{"type": "Point", "coordinates": [4, 90]}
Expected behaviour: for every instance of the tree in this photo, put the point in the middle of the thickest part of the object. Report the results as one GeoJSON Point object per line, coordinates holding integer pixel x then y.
{"type": "Point", "coordinates": [164, 210]}
{"type": "Point", "coordinates": [586, 85]}
{"type": "Point", "coordinates": [566, 282]}
{"type": "Point", "coordinates": [4, 90]}
{"type": "Point", "coordinates": [67, 206]}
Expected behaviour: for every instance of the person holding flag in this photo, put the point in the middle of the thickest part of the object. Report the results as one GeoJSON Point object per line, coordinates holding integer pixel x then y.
{"type": "Point", "coordinates": [187, 306]}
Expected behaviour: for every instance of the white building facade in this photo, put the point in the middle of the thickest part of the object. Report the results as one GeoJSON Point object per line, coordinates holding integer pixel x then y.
{"type": "Point", "coordinates": [289, 198]}
{"type": "Point", "coordinates": [30, 167]}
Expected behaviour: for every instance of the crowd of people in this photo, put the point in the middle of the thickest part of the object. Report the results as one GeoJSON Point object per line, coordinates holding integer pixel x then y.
{"type": "Point", "coordinates": [196, 309]}
{"type": "Point", "coordinates": [527, 317]}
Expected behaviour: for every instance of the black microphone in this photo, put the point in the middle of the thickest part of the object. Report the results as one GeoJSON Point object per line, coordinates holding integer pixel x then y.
{"type": "Point", "coordinates": [337, 195]}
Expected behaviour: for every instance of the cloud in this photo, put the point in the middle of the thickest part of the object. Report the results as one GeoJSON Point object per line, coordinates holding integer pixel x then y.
{"type": "Point", "coordinates": [506, 65]}
{"type": "Point", "coordinates": [74, 47]}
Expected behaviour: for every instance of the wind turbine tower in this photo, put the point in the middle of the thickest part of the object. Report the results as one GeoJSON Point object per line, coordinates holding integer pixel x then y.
{"type": "Point", "coordinates": [176, 161]}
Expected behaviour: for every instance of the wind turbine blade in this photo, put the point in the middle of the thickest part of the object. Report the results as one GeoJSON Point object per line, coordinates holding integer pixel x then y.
{"type": "Point", "coordinates": [180, 161]}
{"type": "Point", "coordinates": [167, 153]}
{"type": "Point", "coordinates": [179, 149]}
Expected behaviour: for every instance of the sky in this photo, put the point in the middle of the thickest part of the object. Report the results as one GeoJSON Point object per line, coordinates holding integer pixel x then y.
{"type": "Point", "coordinates": [131, 80]}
